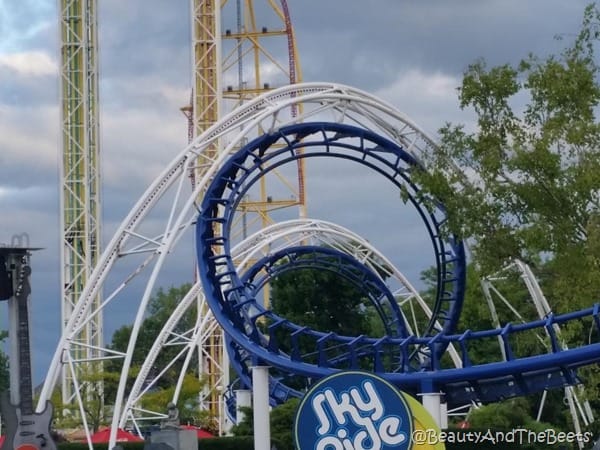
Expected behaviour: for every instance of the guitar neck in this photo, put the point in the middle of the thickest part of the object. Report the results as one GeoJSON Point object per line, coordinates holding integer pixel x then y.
{"type": "Point", "coordinates": [22, 297]}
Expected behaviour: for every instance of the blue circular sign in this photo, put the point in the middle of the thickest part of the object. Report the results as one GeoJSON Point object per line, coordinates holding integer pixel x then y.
{"type": "Point", "coordinates": [353, 410]}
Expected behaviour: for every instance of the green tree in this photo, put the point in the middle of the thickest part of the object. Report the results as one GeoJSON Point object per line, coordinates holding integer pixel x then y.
{"type": "Point", "coordinates": [97, 414]}
{"type": "Point", "coordinates": [281, 420]}
{"type": "Point", "coordinates": [321, 300]}
{"type": "Point", "coordinates": [160, 307]}
{"type": "Point", "coordinates": [187, 402]}
{"type": "Point", "coordinates": [282, 423]}
{"type": "Point", "coordinates": [324, 301]}
{"type": "Point", "coordinates": [525, 183]}
{"type": "Point", "coordinates": [244, 427]}
{"type": "Point", "coordinates": [508, 415]}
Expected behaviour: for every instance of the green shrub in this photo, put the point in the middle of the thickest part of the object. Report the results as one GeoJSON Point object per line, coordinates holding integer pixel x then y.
{"type": "Point", "coordinates": [232, 443]}
{"type": "Point", "coordinates": [220, 443]}
{"type": "Point", "coordinates": [227, 443]}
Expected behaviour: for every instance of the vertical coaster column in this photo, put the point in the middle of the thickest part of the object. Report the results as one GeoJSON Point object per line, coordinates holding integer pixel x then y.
{"type": "Point", "coordinates": [260, 394]}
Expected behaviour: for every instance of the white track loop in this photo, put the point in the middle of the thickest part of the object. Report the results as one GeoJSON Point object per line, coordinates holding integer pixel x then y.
{"type": "Point", "coordinates": [266, 241]}
{"type": "Point", "coordinates": [320, 101]}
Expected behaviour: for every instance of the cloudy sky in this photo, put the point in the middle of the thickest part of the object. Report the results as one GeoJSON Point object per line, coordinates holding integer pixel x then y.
{"type": "Point", "coordinates": [411, 53]}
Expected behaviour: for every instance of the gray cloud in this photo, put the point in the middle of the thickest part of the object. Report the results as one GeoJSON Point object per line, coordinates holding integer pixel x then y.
{"type": "Point", "coordinates": [29, 76]}
{"type": "Point", "coordinates": [23, 22]}
{"type": "Point", "coordinates": [141, 37]}
{"type": "Point", "coordinates": [434, 35]}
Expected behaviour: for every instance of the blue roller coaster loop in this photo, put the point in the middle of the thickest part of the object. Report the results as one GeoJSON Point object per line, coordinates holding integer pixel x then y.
{"type": "Point", "coordinates": [236, 308]}
{"type": "Point", "coordinates": [367, 282]}
{"type": "Point", "coordinates": [307, 140]}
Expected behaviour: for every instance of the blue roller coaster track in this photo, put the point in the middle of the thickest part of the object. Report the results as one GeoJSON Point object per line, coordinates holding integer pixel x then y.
{"type": "Point", "coordinates": [342, 124]}
{"type": "Point", "coordinates": [233, 296]}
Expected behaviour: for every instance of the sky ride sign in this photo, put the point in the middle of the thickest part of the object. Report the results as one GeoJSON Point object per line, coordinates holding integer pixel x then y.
{"type": "Point", "coordinates": [357, 410]}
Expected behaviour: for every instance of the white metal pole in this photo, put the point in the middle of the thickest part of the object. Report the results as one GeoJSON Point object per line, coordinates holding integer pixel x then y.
{"type": "Point", "coordinates": [260, 393]}
{"type": "Point", "coordinates": [443, 415]}
{"type": "Point", "coordinates": [243, 398]}
{"type": "Point", "coordinates": [432, 403]}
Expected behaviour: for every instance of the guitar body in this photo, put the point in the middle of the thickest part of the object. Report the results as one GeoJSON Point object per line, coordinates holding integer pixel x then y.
{"type": "Point", "coordinates": [26, 431]}
{"type": "Point", "coordinates": [33, 432]}
{"type": "Point", "coordinates": [9, 412]}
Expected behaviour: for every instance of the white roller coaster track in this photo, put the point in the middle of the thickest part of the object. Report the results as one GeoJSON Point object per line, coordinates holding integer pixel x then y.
{"type": "Point", "coordinates": [140, 249]}
{"type": "Point", "coordinates": [273, 238]}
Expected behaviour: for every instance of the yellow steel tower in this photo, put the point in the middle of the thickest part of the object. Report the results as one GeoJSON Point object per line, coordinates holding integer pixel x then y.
{"type": "Point", "coordinates": [259, 53]}
{"type": "Point", "coordinates": [253, 39]}
{"type": "Point", "coordinates": [203, 111]}
{"type": "Point", "coordinates": [79, 170]}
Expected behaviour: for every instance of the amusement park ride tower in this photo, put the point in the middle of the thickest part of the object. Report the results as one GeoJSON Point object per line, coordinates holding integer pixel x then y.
{"type": "Point", "coordinates": [79, 172]}
{"type": "Point", "coordinates": [231, 65]}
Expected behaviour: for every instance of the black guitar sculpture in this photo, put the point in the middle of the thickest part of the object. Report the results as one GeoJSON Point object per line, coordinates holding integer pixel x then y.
{"type": "Point", "coordinates": [25, 429]}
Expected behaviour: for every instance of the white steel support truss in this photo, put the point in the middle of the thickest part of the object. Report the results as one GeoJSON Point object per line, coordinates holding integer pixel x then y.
{"type": "Point", "coordinates": [80, 201]}
{"type": "Point", "coordinates": [267, 241]}
{"type": "Point", "coordinates": [141, 246]}
{"type": "Point", "coordinates": [579, 409]}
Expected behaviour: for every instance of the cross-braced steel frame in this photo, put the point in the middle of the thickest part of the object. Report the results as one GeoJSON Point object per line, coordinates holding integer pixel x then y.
{"type": "Point", "coordinates": [141, 249]}
{"type": "Point", "coordinates": [80, 201]}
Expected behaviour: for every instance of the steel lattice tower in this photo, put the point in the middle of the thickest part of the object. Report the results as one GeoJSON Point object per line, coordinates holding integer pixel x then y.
{"type": "Point", "coordinates": [260, 54]}
{"type": "Point", "coordinates": [203, 111]}
{"type": "Point", "coordinates": [248, 62]}
{"type": "Point", "coordinates": [79, 171]}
